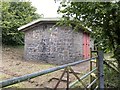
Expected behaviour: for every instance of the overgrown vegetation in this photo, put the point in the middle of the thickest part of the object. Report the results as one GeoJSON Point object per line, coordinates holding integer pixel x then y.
{"type": "Point", "coordinates": [110, 71]}
{"type": "Point", "coordinates": [110, 76]}
{"type": "Point", "coordinates": [14, 15]}
{"type": "Point", "coordinates": [103, 18]}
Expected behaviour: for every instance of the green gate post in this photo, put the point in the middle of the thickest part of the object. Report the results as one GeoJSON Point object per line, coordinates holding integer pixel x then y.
{"type": "Point", "coordinates": [100, 70]}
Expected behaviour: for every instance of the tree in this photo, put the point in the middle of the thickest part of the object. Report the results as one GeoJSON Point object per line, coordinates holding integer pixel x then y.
{"type": "Point", "coordinates": [103, 19]}
{"type": "Point", "coordinates": [15, 14]}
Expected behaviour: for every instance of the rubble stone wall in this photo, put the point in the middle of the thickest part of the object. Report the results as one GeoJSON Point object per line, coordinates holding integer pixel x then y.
{"type": "Point", "coordinates": [58, 45]}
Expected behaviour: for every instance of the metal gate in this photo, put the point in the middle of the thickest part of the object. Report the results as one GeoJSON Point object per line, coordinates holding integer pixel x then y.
{"type": "Point", "coordinates": [96, 80]}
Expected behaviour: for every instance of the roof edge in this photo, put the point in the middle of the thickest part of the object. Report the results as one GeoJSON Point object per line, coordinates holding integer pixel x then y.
{"type": "Point", "coordinates": [36, 21]}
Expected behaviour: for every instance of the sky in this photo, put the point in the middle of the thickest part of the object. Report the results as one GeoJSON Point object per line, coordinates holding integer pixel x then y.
{"type": "Point", "coordinates": [46, 7]}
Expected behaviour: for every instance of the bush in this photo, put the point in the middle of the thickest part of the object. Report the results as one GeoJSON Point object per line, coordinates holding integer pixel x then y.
{"type": "Point", "coordinates": [110, 77]}
{"type": "Point", "coordinates": [14, 15]}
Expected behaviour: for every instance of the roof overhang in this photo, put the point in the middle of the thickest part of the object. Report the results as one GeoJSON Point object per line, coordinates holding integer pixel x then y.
{"type": "Point", "coordinates": [38, 21]}
{"type": "Point", "coordinates": [44, 20]}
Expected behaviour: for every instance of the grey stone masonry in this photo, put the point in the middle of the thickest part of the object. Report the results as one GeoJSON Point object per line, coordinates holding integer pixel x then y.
{"type": "Point", "coordinates": [58, 45]}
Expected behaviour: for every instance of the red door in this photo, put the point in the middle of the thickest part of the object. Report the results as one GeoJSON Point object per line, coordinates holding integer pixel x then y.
{"type": "Point", "coordinates": [86, 46]}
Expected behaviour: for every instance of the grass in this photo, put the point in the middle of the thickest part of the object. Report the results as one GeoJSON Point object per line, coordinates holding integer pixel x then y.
{"type": "Point", "coordinates": [110, 75]}
{"type": "Point", "coordinates": [3, 76]}
{"type": "Point", "coordinates": [14, 55]}
{"type": "Point", "coordinates": [19, 85]}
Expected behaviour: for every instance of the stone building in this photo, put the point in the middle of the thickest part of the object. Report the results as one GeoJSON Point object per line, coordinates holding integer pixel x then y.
{"type": "Point", "coordinates": [55, 44]}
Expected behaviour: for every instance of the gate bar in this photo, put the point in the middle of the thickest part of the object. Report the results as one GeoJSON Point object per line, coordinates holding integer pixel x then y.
{"type": "Point", "coordinates": [14, 80]}
{"type": "Point", "coordinates": [92, 83]}
{"type": "Point", "coordinates": [84, 76]}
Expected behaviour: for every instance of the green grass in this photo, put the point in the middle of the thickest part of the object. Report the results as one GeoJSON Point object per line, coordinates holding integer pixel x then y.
{"type": "Point", "coordinates": [110, 76]}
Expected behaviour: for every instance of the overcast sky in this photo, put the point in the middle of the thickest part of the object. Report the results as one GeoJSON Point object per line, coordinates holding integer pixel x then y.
{"type": "Point", "coordinates": [46, 7]}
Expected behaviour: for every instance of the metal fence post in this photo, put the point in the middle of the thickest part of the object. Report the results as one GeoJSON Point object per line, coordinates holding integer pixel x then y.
{"type": "Point", "coordinates": [100, 69]}
{"type": "Point", "coordinates": [91, 78]}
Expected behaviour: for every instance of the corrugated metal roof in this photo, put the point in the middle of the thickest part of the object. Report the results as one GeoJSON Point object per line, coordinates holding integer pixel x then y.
{"type": "Point", "coordinates": [36, 21]}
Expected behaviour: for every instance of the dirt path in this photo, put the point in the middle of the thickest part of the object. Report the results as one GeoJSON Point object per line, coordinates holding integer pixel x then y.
{"type": "Point", "coordinates": [14, 65]}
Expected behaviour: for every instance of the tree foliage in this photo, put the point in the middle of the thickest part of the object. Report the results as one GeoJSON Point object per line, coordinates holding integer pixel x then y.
{"type": "Point", "coordinates": [103, 18]}
{"type": "Point", "coordinates": [15, 14]}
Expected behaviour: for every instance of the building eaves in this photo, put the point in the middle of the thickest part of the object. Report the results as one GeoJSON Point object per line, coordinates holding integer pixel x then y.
{"type": "Point", "coordinates": [37, 21]}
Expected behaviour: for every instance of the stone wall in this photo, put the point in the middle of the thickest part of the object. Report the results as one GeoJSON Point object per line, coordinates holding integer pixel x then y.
{"type": "Point", "coordinates": [58, 45]}
{"type": "Point", "coordinates": [92, 43]}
